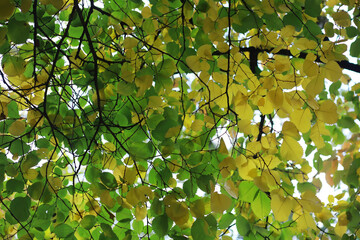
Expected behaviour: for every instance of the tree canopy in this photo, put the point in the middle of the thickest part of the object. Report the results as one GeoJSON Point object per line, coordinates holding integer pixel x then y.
{"type": "Point", "coordinates": [181, 119]}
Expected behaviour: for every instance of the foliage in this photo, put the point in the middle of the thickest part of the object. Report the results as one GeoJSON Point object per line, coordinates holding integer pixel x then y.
{"type": "Point", "coordinates": [181, 119]}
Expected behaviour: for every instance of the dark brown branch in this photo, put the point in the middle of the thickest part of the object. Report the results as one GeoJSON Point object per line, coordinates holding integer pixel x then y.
{"type": "Point", "coordinates": [252, 50]}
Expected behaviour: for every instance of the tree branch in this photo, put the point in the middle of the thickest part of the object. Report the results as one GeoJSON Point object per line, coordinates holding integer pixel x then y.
{"type": "Point", "coordinates": [252, 50]}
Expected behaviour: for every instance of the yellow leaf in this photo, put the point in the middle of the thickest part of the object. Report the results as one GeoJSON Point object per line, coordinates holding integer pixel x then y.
{"type": "Point", "coordinates": [301, 119]}
{"type": "Point", "coordinates": [219, 202]}
{"type": "Point", "coordinates": [25, 5]}
{"type": "Point", "coordinates": [173, 131]}
{"type": "Point", "coordinates": [110, 147]}
{"type": "Point", "coordinates": [130, 42]}
{"type": "Point", "coordinates": [310, 202]}
{"type": "Point", "coordinates": [333, 71]}
{"type": "Point", "coordinates": [327, 112]}
{"type": "Point", "coordinates": [31, 174]}
{"type": "Point", "coordinates": [193, 63]}
{"type": "Point", "coordinates": [315, 86]}
{"type": "Point", "coordinates": [252, 148]}
{"type": "Point", "coordinates": [276, 97]}
{"type": "Point", "coordinates": [223, 47]}
{"type": "Point", "coordinates": [125, 174]}
{"type": "Point", "coordinates": [231, 189]}
{"type": "Point", "coordinates": [197, 125]}
{"type": "Point", "coordinates": [146, 12]}
{"type": "Point", "coordinates": [282, 63]}
{"type": "Point", "coordinates": [324, 215]}
{"type": "Point", "coordinates": [271, 161]}
{"type": "Point", "coordinates": [143, 83]}
{"type": "Point", "coordinates": [289, 129]}
{"type": "Point", "coordinates": [178, 212]}
{"type": "Point", "coordinates": [13, 66]}
{"type": "Point", "coordinates": [227, 166]}
{"type": "Point", "coordinates": [265, 106]}
{"type": "Point", "coordinates": [244, 111]}
{"type": "Point", "coordinates": [105, 198]}
{"type": "Point", "coordinates": [342, 18]}
{"type": "Point", "coordinates": [139, 194]}
{"type": "Point", "coordinates": [205, 52]}
{"type": "Point", "coordinates": [17, 128]}
{"type": "Point", "coordinates": [310, 68]}
{"type": "Point", "coordinates": [140, 212]}
{"type": "Point", "coordinates": [246, 168]}
{"type": "Point", "coordinates": [306, 221]}
{"type": "Point", "coordinates": [7, 8]}
{"type": "Point", "coordinates": [59, 4]}
{"type": "Point", "coordinates": [281, 206]}
{"type": "Point", "coordinates": [316, 134]}
{"type": "Point", "coordinates": [222, 148]}
{"type": "Point", "coordinates": [197, 208]}
{"type": "Point", "coordinates": [291, 149]}
{"type": "Point", "coordinates": [340, 230]}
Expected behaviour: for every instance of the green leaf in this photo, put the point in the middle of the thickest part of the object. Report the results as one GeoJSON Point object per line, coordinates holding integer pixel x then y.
{"type": "Point", "coordinates": [352, 31]}
{"type": "Point", "coordinates": [313, 7]}
{"type": "Point", "coordinates": [63, 230]}
{"type": "Point", "coordinates": [355, 48]}
{"type": "Point", "coordinates": [19, 148]}
{"type": "Point", "coordinates": [306, 186]}
{"type": "Point", "coordinates": [346, 122]}
{"type": "Point", "coordinates": [312, 30]}
{"type": "Point", "coordinates": [141, 150]}
{"type": "Point", "coordinates": [108, 232]}
{"type": "Point", "coordinates": [44, 214]}
{"type": "Point", "coordinates": [18, 31]}
{"type": "Point", "coordinates": [20, 208]}
{"type": "Point", "coordinates": [204, 183]}
{"type": "Point", "coordinates": [242, 226]}
{"type": "Point", "coordinates": [160, 225]}
{"type": "Point", "coordinates": [247, 191]}
{"type": "Point", "coordinates": [108, 180]}
{"type": "Point", "coordinates": [261, 205]}
{"type": "Point", "coordinates": [186, 147]}
{"type": "Point", "coordinates": [14, 185]}
{"type": "Point", "coordinates": [226, 220]}
{"type": "Point", "coordinates": [88, 222]}
{"type": "Point", "coordinates": [200, 230]}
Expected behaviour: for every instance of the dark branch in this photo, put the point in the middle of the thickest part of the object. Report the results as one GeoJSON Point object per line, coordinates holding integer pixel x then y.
{"type": "Point", "coordinates": [252, 50]}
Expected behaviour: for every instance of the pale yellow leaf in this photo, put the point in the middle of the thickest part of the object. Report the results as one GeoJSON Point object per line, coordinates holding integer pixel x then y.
{"type": "Point", "coordinates": [291, 149]}
{"type": "Point", "coordinates": [281, 206]}
{"type": "Point", "coordinates": [276, 97]}
{"type": "Point", "coordinates": [289, 129]}
{"type": "Point", "coordinates": [315, 86]}
{"type": "Point", "coordinates": [327, 112]}
{"type": "Point", "coordinates": [306, 221]}
{"type": "Point", "coordinates": [301, 119]}
{"type": "Point", "coordinates": [310, 202]}
{"type": "Point", "coordinates": [316, 134]}
{"type": "Point", "coordinates": [333, 71]}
